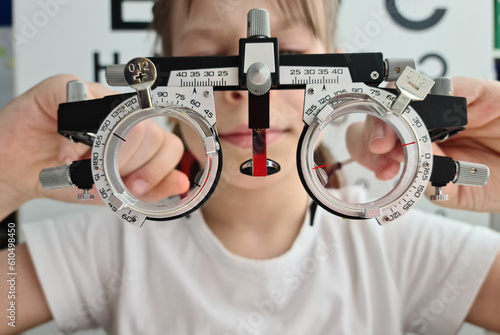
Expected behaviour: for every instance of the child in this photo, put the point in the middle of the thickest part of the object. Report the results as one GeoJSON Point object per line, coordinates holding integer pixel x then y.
{"type": "Point", "coordinates": [249, 262]}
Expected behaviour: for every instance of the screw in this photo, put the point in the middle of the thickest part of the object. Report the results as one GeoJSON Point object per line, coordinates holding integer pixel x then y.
{"type": "Point", "coordinates": [207, 93]}
{"type": "Point", "coordinates": [134, 219]}
{"type": "Point", "coordinates": [374, 75]}
{"type": "Point", "coordinates": [473, 170]}
{"type": "Point", "coordinates": [96, 167]}
{"type": "Point", "coordinates": [426, 164]}
{"type": "Point", "coordinates": [310, 91]}
{"type": "Point", "coordinates": [386, 219]}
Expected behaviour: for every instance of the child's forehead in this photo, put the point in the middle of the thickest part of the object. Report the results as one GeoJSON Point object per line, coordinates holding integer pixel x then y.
{"type": "Point", "coordinates": [282, 12]}
{"type": "Point", "coordinates": [179, 17]}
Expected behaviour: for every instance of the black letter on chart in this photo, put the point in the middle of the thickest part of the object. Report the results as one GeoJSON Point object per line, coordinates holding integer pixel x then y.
{"type": "Point", "coordinates": [440, 59]}
{"type": "Point", "coordinates": [413, 25]}
{"type": "Point", "coordinates": [98, 67]}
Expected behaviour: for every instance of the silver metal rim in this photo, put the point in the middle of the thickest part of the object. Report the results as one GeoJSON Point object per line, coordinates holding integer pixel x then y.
{"type": "Point", "coordinates": [170, 207]}
{"type": "Point", "coordinates": [357, 102]}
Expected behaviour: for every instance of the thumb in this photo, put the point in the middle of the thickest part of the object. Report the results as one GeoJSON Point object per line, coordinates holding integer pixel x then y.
{"type": "Point", "coordinates": [373, 144]}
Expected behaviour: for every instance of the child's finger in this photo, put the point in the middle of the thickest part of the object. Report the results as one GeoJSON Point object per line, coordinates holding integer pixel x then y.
{"type": "Point", "coordinates": [155, 170]}
{"type": "Point", "coordinates": [145, 141]}
{"type": "Point", "coordinates": [382, 138]}
{"type": "Point", "coordinates": [174, 183]}
{"type": "Point", "coordinates": [380, 154]}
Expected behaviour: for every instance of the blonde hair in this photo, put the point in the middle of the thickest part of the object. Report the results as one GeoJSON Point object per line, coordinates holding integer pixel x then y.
{"type": "Point", "coordinates": [320, 16]}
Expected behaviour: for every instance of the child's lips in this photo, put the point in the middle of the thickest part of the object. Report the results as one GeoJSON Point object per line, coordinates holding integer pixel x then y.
{"type": "Point", "coordinates": [243, 139]}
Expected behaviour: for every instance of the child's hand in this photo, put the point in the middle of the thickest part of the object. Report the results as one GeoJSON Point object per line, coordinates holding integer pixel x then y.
{"type": "Point", "coordinates": [375, 145]}
{"type": "Point", "coordinates": [29, 142]}
{"type": "Point", "coordinates": [147, 162]}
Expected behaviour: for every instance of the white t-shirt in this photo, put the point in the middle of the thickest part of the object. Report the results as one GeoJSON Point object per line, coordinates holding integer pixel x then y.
{"type": "Point", "coordinates": [420, 275]}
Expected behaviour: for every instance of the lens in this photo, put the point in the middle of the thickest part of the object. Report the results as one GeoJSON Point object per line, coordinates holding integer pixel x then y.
{"type": "Point", "coordinates": [163, 161]}
{"type": "Point", "coordinates": [337, 166]}
{"type": "Point", "coordinates": [342, 159]}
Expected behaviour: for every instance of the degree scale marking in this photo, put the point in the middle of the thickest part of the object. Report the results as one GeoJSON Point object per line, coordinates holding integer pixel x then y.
{"type": "Point", "coordinates": [121, 138]}
{"type": "Point", "coordinates": [317, 167]}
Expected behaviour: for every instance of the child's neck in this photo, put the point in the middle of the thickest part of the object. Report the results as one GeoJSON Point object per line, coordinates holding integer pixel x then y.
{"type": "Point", "coordinates": [258, 223]}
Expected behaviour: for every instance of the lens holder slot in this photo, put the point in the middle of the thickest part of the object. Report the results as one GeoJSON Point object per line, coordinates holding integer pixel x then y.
{"type": "Point", "coordinates": [417, 156]}
{"type": "Point", "coordinates": [105, 163]}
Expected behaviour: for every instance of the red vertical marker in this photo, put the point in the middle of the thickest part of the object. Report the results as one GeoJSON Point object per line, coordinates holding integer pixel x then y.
{"type": "Point", "coordinates": [259, 158]}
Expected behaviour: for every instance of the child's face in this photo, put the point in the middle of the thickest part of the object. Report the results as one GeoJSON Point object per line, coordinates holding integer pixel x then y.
{"type": "Point", "coordinates": [214, 27]}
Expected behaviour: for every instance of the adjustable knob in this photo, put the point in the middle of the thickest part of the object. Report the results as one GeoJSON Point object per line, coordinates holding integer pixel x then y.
{"type": "Point", "coordinates": [395, 66]}
{"type": "Point", "coordinates": [86, 195]}
{"type": "Point", "coordinates": [438, 195]}
{"type": "Point", "coordinates": [442, 86]}
{"type": "Point", "coordinates": [76, 90]}
{"type": "Point", "coordinates": [140, 74]}
{"type": "Point", "coordinates": [258, 79]}
{"type": "Point", "coordinates": [115, 75]}
{"type": "Point", "coordinates": [258, 23]}
{"type": "Point", "coordinates": [61, 177]}
{"type": "Point", "coordinates": [55, 177]}
{"type": "Point", "coordinates": [471, 174]}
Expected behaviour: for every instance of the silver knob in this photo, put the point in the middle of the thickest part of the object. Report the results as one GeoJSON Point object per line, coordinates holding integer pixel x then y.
{"type": "Point", "coordinates": [76, 90]}
{"type": "Point", "coordinates": [471, 174]}
{"type": "Point", "coordinates": [442, 86]}
{"type": "Point", "coordinates": [258, 23]}
{"type": "Point", "coordinates": [258, 78]}
{"type": "Point", "coordinates": [86, 195]}
{"type": "Point", "coordinates": [438, 195]}
{"type": "Point", "coordinates": [115, 75]}
{"type": "Point", "coordinates": [55, 177]}
{"type": "Point", "coordinates": [395, 66]}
